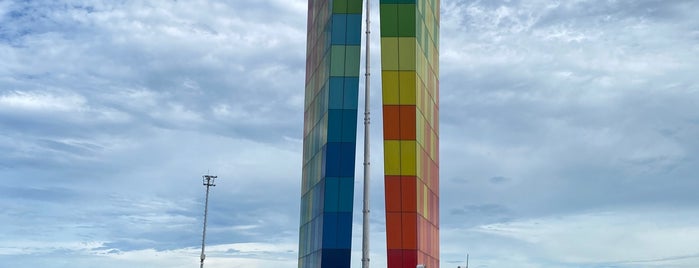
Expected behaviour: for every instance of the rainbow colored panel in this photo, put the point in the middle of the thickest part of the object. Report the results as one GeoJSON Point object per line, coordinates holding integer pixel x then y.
{"type": "Point", "coordinates": [410, 96]}
{"type": "Point", "coordinates": [330, 132]}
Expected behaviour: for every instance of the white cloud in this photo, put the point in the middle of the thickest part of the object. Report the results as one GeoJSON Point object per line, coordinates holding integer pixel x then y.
{"type": "Point", "coordinates": [626, 236]}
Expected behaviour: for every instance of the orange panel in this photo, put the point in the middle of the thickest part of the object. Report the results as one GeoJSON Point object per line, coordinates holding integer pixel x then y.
{"type": "Point", "coordinates": [394, 230]}
{"type": "Point", "coordinates": [408, 193]}
{"type": "Point", "coordinates": [393, 196]}
{"type": "Point", "coordinates": [391, 122]}
{"type": "Point", "coordinates": [409, 230]}
{"type": "Point", "coordinates": [407, 122]}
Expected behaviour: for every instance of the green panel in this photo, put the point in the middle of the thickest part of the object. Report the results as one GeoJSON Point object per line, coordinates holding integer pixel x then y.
{"type": "Point", "coordinates": [406, 20]}
{"type": "Point", "coordinates": [337, 61]}
{"type": "Point", "coordinates": [348, 6]}
{"type": "Point", "coordinates": [354, 6]}
{"type": "Point", "coordinates": [389, 53]}
{"type": "Point", "coordinates": [398, 1]}
{"type": "Point", "coordinates": [352, 59]}
{"type": "Point", "coordinates": [406, 53]}
{"type": "Point", "coordinates": [340, 6]}
{"type": "Point", "coordinates": [389, 20]}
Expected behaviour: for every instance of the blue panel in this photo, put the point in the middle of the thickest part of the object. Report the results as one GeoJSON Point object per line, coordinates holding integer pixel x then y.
{"type": "Point", "coordinates": [339, 29]}
{"type": "Point", "coordinates": [349, 126]}
{"type": "Point", "coordinates": [333, 159]}
{"type": "Point", "coordinates": [351, 93]}
{"type": "Point", "coordinates": [344, 230]}
{"type": "Point", "coordinates": [354, 29]}
{"type": "Point", "coordinates": [334, 125]}
{"type": "Point", "coordinates": [330, 230]}
{"type": "Point", "coordinates": [346, 167]}
{"type": "Point", "coordinates": [324, 159]}
{"type": "Point", "coordinates": [346, 197]}
{"type": "Point", "coordinates": [337, 95]}
{"type": "Point", "coordinates": [332, 194]}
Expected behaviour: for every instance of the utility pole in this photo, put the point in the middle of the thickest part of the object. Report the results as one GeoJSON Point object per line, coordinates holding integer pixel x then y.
{"type": "Point", "coordinates": [365, 210]}
{"type": "Point", "coordinates": [208, 181]}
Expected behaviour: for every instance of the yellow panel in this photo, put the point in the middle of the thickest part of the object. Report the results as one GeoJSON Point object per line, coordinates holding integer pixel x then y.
{"type": "Point", "coordinates": [407, 157]}
{"type": "Point", "coordinates": [418, 162]}
{"type": "Point", "coordinates": [423, 97]}
{"type": "Point", "coordinates": [407, 87]}
{"type": "Point", "coordinates": [392, 157]}
{"type": "Point", "coordinates": [406, 53]}
{"type": "Point", "coordinates": [389, 53]}
{"type": "Point", "coordinates": [390, 87]}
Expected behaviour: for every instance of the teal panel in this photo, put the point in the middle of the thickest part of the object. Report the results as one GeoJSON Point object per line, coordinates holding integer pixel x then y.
{"type": "Point", "coordinates": [346, 196]}
{"type": "Point", "coordinates": [332, 191]}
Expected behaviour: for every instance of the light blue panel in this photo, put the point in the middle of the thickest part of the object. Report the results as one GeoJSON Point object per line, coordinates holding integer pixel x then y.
{"type": "Point", "coordinates": [354, 29]}
{"type": "Point", "coordinates": [332, 191]}
{"type": "Point", "coordinates": [337, 95]}
{"type": "Point", "coordinates": [351, 93]}
{"type": "Point", "coordinates": [335, 125]}
{"type": "Point", "coordinates": [346, 196]}
{"type": "Point", "coordinates": [339, 29]}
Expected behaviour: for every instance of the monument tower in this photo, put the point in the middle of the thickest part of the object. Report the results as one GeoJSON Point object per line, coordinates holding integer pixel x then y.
{"type": "Point", "coordinates": [330, 132]}
{"type": "Point", "coordinates": [410, 88]}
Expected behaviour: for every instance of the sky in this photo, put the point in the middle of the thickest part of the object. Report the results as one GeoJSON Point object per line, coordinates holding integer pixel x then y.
{"type": "Point", "coordinates": [568, 133]}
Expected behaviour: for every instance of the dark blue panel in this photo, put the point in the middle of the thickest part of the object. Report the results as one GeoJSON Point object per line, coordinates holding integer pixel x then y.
{"type": "Point", "coordinates": [336, 258]}
{"type": "Point", "coordinates": [346, 197]}
{"type": "Point", "coordinates": [349, 126]}
{"type": "Point", "coordinates": [354, 29]}
{"type": "Point", "coordinates": [332, 194]}
{"type": "Point", "coordinates": [337, 95]}
{"type": "Point", "coordinates": [346, 167]}
{"type": "Point", "coordinates": [339, 29]}
{"type": "Point", "coordinates": [344, 230]}
{"type": "Point", "coordinates": [330, 230]}
{"type": "Point", "coordinates": [351, 93]}
{"type": "Point", "coordinates": [334, 125]}
{"type": "Point", "coordinates": [333, 159]}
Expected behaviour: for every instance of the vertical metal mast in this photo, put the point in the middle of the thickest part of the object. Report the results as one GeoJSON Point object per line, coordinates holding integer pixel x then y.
{"type": "Point", "coordinates": [365, 211]}
{"type": "Point", "coordinates": [208, 181]}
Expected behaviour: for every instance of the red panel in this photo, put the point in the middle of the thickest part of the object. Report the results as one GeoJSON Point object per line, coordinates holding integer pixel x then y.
{"type": "Point", "coordinates": [395, 258]}
{"type": "Point", "coordinates": [393, 195]}
{"type": "Point", "coordinates": [394, 230]}
{"type": "Point", "coordinates": [391, 122]}
{"type": "Point", "coordinates": [408, 194]}
{"type": "Point", "coordinates": [409, 230]}
{"type": "Point", "coordinates": [407, 122]}
{"type": "Point", "coordinates": [409, 258]}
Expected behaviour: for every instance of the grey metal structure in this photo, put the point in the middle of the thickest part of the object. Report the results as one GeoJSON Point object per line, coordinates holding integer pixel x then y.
{"type": "Point", "coordinates": [208, 181]}
{"type": "Point", "coordinates": [365, 210]}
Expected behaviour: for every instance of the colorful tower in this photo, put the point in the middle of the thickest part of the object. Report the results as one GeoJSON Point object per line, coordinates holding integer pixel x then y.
{"type": "Point", "coordinates": [409, 74]}
{"type": "Point", "coordinates": [330, 130]}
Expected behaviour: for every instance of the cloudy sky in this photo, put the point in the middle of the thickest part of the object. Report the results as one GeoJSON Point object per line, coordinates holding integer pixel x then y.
{"type": "Point", "coordinates": [568, 136]}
